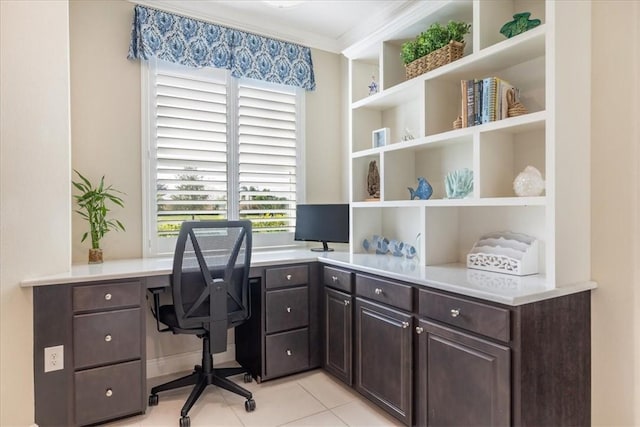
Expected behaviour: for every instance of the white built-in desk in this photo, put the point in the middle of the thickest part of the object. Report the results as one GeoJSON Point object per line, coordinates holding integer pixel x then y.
{"type": "Point", "coordinates": [495, 287]}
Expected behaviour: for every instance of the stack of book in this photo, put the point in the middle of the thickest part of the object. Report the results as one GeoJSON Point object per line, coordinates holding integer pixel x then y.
{"type": "Point", "coordinates": [484, 100]}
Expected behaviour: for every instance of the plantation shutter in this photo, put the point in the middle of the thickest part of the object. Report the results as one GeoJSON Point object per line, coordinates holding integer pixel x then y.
{"type": "Point", "coordinates": [191, 147]}
{"type": "Point", "coordinates": [267, 138]}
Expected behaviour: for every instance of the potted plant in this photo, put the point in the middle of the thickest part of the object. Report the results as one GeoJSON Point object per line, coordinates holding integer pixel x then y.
{"type": "Point", "coordinates": [92, 203]}
{"type": "Point", "coordinates": [437, 46]}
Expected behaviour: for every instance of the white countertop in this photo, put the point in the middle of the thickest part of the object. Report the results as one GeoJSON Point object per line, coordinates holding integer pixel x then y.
{"type": "Point", "coordinates": [496, 287]}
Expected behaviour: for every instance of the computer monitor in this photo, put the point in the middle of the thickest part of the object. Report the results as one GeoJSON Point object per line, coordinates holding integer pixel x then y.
{"type": "Point", "coordinates": [322, 223]}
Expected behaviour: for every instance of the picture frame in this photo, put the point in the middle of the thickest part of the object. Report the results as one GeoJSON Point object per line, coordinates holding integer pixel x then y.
{"type": "Point", "coordinates": [380, 137]}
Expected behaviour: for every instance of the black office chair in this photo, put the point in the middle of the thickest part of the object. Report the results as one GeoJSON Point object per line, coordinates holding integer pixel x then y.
{"type": "Point", "coordinates": [210, 289]}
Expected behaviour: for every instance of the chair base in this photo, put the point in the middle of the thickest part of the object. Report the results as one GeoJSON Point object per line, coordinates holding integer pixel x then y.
{"type": "Point", "coordinates": [202, 377]}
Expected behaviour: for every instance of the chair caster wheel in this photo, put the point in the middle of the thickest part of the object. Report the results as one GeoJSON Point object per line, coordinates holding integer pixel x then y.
{"type": "Point", "coordinates": [153, 400]}
{"type": "Point", "coordinates": [248, 378]}
{"type": "Point", "coordinates": [185, 421]}
{"type": "Point", "coordinates": [250, 405]}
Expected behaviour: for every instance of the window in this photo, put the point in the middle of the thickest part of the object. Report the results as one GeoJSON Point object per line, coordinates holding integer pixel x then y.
{"type": "Point", "coordinates": [217, 147]}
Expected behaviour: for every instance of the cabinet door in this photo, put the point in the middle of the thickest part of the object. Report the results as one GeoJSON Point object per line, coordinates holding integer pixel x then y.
{"type": "Point", "coordinates": [338, 339]}
{"type": "Point", "coordinates": [463, 380]}
{"type": "Point", "coordinates": [384, 358]}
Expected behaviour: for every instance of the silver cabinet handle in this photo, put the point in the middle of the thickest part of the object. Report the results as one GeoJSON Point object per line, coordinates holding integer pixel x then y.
{"type": "Point", "coordinates": [419, 330]}
{"type": "Point", "coordinates": [455, 312]}
{"type": "Point", "coordinates": [109, 392]}
{"type": "Point", "coordinates": [346, 302]}
{"type": "Point", "coordinates": [378, 291]}
{"type": "Point", "coordinates": [107, 337]}
{"type": "Point", "coordinates": [289, 353]}
{"type": "Point", "coordinates": [288, 277]}
{"type": "Point", "coordinates": [405, 325]}
{"type": "Point", "coordinates": [334, 278]}
{"type": "Point", "coordinates": [107, 297]}
{"type": "Point", "coordinates": [288, 309]}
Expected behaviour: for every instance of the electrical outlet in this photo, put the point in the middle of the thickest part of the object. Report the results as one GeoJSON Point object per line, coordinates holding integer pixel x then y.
{"type": "Point", "coordinates": [53, 358]}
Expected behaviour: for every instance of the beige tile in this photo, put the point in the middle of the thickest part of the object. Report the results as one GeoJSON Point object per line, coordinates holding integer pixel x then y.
{"type": "Point", "coordinates": [326, 418]}
{"type": "Point", "coordinates": [329, 391]}
{"type": "Point", "coordinates": [359, 413]}
{"type": "Point", "coordinates": [290, 402]}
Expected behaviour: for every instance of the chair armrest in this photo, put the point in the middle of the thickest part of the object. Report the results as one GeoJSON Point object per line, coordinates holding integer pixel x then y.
{"type": "Point", "coordinates": [155, 308]}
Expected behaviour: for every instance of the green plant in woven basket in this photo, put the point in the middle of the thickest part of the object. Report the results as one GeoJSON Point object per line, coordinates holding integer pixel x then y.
{"type": "Point", "coordinates": [435, 37]}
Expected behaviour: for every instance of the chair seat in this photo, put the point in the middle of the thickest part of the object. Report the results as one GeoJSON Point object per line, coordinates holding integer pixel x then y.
{"type": "Point", "coordinates": [167, 315]}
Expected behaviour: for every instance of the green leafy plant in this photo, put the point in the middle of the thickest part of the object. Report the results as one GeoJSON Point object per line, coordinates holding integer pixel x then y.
{"type": "Point", "coordinates": [435, 37]}
{"type": "Point", "coordinates": [92, 203]}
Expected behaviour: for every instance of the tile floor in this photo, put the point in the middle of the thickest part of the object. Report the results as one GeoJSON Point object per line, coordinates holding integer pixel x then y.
{"type": "Point", "coordinates": [311, 398]}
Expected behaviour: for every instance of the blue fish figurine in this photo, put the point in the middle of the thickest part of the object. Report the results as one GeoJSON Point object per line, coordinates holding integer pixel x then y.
{"type": "Point", "coordinates": [423, 191]}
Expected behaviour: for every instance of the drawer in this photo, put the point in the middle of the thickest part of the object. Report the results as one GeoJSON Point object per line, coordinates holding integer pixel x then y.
{"type": "Point", "coordinates": [287, 309]}
{"type": "Point", "coordinates": [391, 293]}
{"type": "Point", "coordinates": [338, 279]}
{"type": "Point", "coordinates": [101, 338]}
{"type": "Point", "coordinates": [287, 352]}
{"type": "Point", "coordinates": [287, 276]}
{"type": "Point", "coordinates": [111, 295]}
{"type": "Point", "coordinates": [473, 316]}
{"type": "Point", "coordinates": [110, 392]}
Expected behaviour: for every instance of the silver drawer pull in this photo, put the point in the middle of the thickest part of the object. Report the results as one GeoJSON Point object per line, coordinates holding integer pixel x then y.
{"type": "Point", "coordinates": [346, 302]}
{"type": "Point", "coordinates": [334, 278]}
{"type": "Point", "coordinates": [107, 337]}
{"type": "Point", "coordinates": [419, 330]}
{"type": "Point", "coordinates": [289, 353]}
{"type": "Point", "coordinates": [109, 392]}
{"type": "Point", "coordinates": [405, 325]}
{"type": "Point", "coordinates": [288, 309]}
{"type": "Point", "coordinates": [378, 291]}
{"type": "Point", "coordinates": [107, 297]}
{"type": "Point", "coordinates": [455, 312]}
{"type": "Point", "coordinates": [288, 277]}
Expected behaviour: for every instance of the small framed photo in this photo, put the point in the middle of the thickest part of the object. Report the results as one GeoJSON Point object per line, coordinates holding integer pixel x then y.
{"type": "Point", "coordinates": [380, 137]}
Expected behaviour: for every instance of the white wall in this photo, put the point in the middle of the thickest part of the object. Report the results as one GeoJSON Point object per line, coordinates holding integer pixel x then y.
{"type": "Point", "coordinates": [34, 181]}
{"type": "Point", "coordinates": [615, 236]}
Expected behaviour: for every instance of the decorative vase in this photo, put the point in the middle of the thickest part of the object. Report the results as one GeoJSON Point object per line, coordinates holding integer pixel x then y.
{"type": "Point", "coordinates": [529, 183]}
{"type": "Point", "coordinates": [95, 256]}
{"type": "Point", "coordinates": [520, 24]}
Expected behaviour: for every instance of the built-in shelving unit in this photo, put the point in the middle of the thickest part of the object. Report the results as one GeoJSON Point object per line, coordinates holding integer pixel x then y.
{"type": "Point", "coordinates": [553, 136]}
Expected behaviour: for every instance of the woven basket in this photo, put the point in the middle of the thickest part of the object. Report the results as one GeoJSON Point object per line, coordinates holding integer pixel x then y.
{"type": "Point", "coordinates": [435, 59]}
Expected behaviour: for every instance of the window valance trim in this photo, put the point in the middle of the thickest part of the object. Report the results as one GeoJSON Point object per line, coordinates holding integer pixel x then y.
{"type": "Point", "coordinates": [196, 43]}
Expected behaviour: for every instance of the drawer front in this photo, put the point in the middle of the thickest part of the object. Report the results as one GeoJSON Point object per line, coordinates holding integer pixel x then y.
{"type": "Point", "coordinates": [391, 293]}
{"type": "Point", "coordinates": [111, 295]}
{"type": "Point", "coordinates": [338, 279]}
{"type": "Point", "coordinates": [101, 338]}
{"type": "Point", "coordinates": [287, 276]}
{"type": "Point", "coordinates": [287, 352]}
{"type": "Point", "coordinates": [470, 315]}
{"type": "Point", "coordinates": [287, 309]}
{"type": "Point", "coordinates": [110, 392]}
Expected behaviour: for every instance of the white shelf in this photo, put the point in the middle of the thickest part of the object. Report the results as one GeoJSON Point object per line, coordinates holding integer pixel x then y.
{"type": "Point", "coordinates": [512, 51]}
{"type": "Point", "coordinates": [546, 66]}
{"type": "Point", "coordinates": [469, 202]}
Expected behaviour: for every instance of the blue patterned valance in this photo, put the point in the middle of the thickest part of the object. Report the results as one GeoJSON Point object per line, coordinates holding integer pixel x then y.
{"type": "Point", "coordinates": [196, 43]}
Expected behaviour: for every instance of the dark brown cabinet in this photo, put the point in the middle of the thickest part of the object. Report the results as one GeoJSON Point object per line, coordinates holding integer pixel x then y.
{"type": "Point", "coordinates": [282, 336]}
{"type": "Point", "coordinates": [102, 329]}
{"type": "Point", "coordinates": [383, 357]}
{"type": "Point", "coordinates": [462, 380]}
{"type": "Point", "coordinates": [338, 334]}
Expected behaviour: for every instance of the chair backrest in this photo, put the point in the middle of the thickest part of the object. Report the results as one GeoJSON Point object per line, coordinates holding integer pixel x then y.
{"type": "Point", "coordinates": [210, 280]}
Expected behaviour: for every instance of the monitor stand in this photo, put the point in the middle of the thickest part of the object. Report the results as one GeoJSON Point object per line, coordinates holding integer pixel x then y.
{"type": "Point", "coordinates": [324, 248]}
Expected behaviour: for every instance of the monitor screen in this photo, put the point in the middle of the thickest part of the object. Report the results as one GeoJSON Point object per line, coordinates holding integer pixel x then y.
{"type": "Point", "coordinates": [322, 223]}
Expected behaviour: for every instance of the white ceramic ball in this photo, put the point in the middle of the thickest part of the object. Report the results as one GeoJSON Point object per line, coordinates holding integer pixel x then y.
{"type": "Point", "coordinates": [529, 183]}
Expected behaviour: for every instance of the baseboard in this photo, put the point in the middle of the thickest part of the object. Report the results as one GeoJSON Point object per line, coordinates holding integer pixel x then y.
{"type": "Point", "coordinates": [185, 362]}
